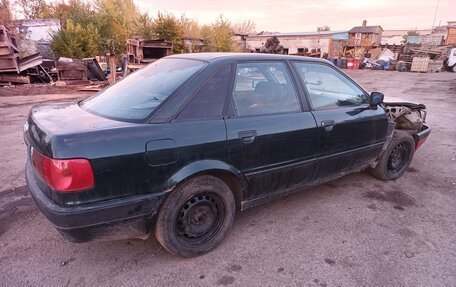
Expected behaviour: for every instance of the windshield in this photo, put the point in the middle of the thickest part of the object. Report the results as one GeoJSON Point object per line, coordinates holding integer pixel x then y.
{"type": "Point", "coordinates": [136, 96]}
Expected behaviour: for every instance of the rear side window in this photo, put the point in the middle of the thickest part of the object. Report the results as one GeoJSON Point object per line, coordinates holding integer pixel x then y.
{"type": "Point", "coordinates": [135, 97]}
{"type": "Point", "coordinates": [264, 88]}
{"type": "Point", "coordinates": [210, 98]}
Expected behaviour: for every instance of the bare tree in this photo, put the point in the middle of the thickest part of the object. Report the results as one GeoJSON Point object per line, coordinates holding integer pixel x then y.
{"type": "Point", "coordinates": [33, 9]}
{"type": "Point", "coordinates": [244, 27]}
{"type": "Point", "coordinates": [5, 12]}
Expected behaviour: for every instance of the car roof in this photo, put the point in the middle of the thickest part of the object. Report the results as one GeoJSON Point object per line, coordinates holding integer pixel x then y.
{"type": "Point", "coordinates": [213, 57]}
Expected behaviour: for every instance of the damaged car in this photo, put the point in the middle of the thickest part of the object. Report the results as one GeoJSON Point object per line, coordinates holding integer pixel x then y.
{"type": "Point", "coordinates": [177, 148]}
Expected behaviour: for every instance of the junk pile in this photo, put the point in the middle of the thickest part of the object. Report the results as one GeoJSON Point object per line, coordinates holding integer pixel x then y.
{"type": "Point", "coordinates": [395, 58]}
{"type": "Point", "coordinates": [380, 60]}
{"type": "Point", "coordinates": [315, 53]}
{"type": "Point", "coordinates": [272, 46]}
{"type": "Point", "coordinates": [16, 70]}
{"type": "Point", "coordinates": [35, 69]}
{"type": "Point", "coordinates": [422, 59]}
{"type": "Point", "coordinates": [141, 52]}
{"type": "Point", "coordinates": [79, 71]}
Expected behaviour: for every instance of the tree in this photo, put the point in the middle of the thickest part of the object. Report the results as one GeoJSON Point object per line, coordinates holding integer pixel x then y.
{"type": "Point", "coordinates": [190, 27]}
{"type": "Point", "coordinates": [76, 41]}
{"type": "Point", "coordinates": [168, 27]}
{"type": "Point", "coordinates": [77, 11]}
{"type": "Point", "coordinates": [115, 21]}
{"type": "Point", "coordinates": [144, 26]}
{"type": "Point", "coordinates": [221, 39]}
{"type": "Point", "coordinates": [245, 27]}
{"type": "Point", "coordinates": [5, 12]}
{"type": "Point", "coordinates": [33, 9]}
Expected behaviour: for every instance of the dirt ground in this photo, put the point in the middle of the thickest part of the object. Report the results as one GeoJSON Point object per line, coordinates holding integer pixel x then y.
{"type": "Point", "coordinates": [354, 231]}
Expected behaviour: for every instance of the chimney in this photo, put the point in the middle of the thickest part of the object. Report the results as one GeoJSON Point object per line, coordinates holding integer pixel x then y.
{"type": "Point", "coordinates": [364, 23]}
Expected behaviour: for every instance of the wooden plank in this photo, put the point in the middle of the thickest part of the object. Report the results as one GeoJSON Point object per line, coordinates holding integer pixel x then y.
{"type": "Point", "coordinates": [15, 79]}
{"type": "Point", "coordinates": [419, 64]}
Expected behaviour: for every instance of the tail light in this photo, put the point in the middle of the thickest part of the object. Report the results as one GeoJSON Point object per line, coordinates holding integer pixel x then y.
{"type": "Point", "coordinates": [64, 175]}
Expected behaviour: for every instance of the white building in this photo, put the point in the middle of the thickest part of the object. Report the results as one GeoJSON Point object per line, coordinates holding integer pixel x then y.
{"type": "Point", "coordinates": [297, 42]}
{"type": "Point", "coordinates": [396, 37]}
{"type": "Point", "coordinates": [36, 36]}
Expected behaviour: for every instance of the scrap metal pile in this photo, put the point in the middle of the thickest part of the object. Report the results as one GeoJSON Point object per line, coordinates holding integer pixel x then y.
{"type": "Point", "coordinates": [79, 71]}
{"type": "Point", "coordinates": [397, 58]}
{"type": "Point", "coordinates": [14, 69]}
{"type": "Point", "coordinates": [272, 46]}
{"type": "Point", "coordinates": [34, 69]}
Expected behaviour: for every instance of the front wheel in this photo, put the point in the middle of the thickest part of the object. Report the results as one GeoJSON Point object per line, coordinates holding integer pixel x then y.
{"type": "Point", "coordinates": [453, 69]}
{"type": "Point", "coordinates": [396, 158]}
{"type": "Point", "coordinates": [195, 216]}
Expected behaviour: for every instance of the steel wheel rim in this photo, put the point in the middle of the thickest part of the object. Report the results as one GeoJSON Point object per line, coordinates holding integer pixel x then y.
{"type": "Point", "coordinates": [199, 219]}
{"type": "Point", "coordinates": [398, 158]}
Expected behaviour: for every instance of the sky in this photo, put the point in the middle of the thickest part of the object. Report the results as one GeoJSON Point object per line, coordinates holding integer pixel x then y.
{"type": "Point", "coordinates": [306, 16]}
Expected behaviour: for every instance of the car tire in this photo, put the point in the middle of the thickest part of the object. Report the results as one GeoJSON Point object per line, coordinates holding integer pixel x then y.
{"type": "Point", "coordinates": [195, 216]}
{"type": "Point", "coordinates": [453, 69]}
{"type": "Point", "coordinates": [396, 158]}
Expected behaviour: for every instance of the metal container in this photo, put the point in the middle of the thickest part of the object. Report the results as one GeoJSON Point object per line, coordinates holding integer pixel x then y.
{"type": "Point", "coordinates": [344, 63]}
{"type": "Point", "coordinates": [339, 63]}
{"type": "Point", "coordinates": [356, 63]}
{"type": "Point", "coordinates": [350, 62]}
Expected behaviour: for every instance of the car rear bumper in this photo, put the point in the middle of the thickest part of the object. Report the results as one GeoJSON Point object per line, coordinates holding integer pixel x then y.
{"type": "Point", "coordinates": [422, 136]}
{"type": "Point", "coordinates": [130, 217]}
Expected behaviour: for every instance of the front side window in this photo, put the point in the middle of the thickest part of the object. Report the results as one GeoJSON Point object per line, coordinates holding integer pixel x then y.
{"type": "Point", "coordinates": [264, 88]}
{"type": "Point", "coordinates": [135, 97]}
{"type": "Point", "coordinates": [327, 88]}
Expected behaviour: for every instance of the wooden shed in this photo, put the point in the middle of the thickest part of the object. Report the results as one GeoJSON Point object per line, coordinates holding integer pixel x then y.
{"type": "Point", "coordinates": [365, 36]}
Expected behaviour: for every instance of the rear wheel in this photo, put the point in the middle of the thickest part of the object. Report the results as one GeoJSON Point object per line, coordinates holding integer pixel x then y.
{"type": "Point", "coordinates": [453, 69]}
{"type": "Point", "coordinates": [396, 158]}
{"type": "Point", "coordinates": [195, 216]}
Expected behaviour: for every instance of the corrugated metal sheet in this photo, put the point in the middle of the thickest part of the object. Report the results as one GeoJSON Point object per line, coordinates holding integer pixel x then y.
{"type": "Point", "coordinates": [413, 39]}
{"type": "Point", "coordinates": [340, 36]}
{"type": "Point", "coordinates": [431, 40]}
{"type": "Point", "coordinates": [297, 34]}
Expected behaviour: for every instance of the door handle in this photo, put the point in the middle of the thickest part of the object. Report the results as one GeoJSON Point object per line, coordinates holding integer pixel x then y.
{"type": "Point", "coordinates": [247, 136]}
{"type": "Point", "coordinates": [328, 125]}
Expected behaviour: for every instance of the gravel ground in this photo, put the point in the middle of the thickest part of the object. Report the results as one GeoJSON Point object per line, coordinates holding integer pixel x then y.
{"type": "Point", "coordinates": [353, 231]}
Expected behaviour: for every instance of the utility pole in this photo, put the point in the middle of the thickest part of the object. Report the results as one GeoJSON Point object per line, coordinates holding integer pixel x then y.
{"type": "Point", "coordinates": [435, 15]}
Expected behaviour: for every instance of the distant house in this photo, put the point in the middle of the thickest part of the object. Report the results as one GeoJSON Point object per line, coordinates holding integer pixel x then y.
{"type": "Point", "coordinates": [451, 35]}
{"type": "Point", "coordinates": [365, 36]}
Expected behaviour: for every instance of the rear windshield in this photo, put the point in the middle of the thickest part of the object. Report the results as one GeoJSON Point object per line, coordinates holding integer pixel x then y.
{"type": "Point", "coordinates": [136, 96]}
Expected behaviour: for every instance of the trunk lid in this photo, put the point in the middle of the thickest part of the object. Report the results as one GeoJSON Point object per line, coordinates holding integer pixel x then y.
{"type": "Point", "coordinates": [47, 121]}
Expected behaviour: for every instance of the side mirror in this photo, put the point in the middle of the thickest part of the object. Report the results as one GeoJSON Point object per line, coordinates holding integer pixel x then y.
{"type": "Point", "coordinates": [375, 99]}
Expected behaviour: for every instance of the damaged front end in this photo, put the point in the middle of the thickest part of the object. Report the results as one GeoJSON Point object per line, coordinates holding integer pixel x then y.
{"type": "Point", "coordinates": [409, 117]}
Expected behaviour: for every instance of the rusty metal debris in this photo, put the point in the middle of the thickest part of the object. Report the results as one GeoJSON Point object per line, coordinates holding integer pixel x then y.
{"type": "Point", "coordinates": [79, 71]}
{"type": "Point", "coordinates": [9, 52]}
{"type": "Point", "coordinates": [141, 51]}
{"type": "Point", "coordinates": [272, 46]}
{"type": "Point", "coordinates": [94, 69]}
{"type": "Point", "coordinates": [14, 69]}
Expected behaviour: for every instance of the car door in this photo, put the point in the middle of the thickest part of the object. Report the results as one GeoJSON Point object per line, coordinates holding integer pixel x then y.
{"type": "Point", "coordinates": [269, 136]}
{"type": "Point", "coordinates": [350, 132]}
